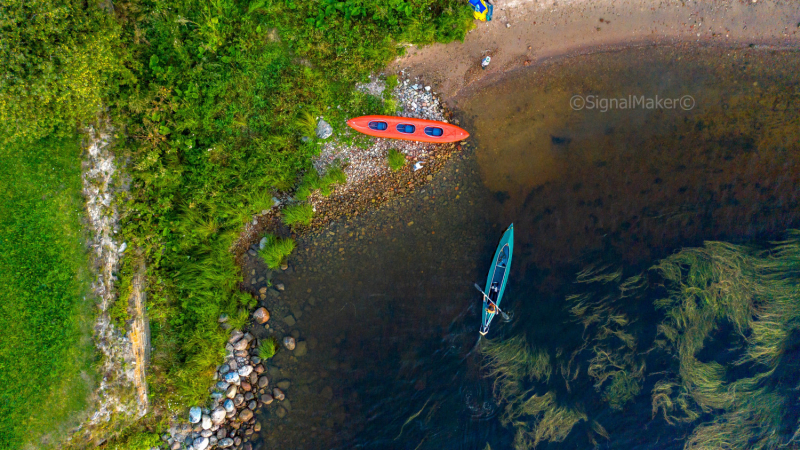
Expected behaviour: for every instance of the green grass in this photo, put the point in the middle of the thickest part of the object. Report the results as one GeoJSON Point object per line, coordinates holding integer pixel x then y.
{"type": "Point", "coordinates": [395, 159]}
{"type": "Point", "coordinates": [311, 182]}
{"type": "Point", "coordinates": [276, 250]}
{"type": "Point", "coordinates": [46, 354]}
{"type": "Point", "coordinates": [298, 214]}
{"type": "Point", "coordinates": [268, 349]}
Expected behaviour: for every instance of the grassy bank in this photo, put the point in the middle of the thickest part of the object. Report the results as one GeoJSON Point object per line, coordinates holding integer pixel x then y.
{"type": "Point", "coordinates": [45, 324]}
{"type": "Point", "coordinates": [715, 359]}
{"type": "Point", "coordinates": [211, 100]}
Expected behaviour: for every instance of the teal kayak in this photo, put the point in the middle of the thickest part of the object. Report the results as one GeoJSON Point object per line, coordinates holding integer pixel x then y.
{"type": "Point", "coordinates": [497, 279]}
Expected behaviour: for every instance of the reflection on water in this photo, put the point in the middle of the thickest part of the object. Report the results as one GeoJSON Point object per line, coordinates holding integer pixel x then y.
{"type": "Point", "coordinates": [385, 301]}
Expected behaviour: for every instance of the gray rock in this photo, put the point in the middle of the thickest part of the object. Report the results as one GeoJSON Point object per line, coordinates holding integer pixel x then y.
{"type": "Point", "coordinates": [223, 318]}
{"type": "Point", "coordinates": [278, 394]}
{"type": "Point", "coordinates": [218, 415]}
{"type": "Point", "coordinates": [226, 442]}
{"type": "Point", "coordinates": [266, 399]}
{"type": "Point", "coordinates": [252, 405]}
{"type": "Point", "coordinates": [223, 386]}
{"type": "Point", "coordinates": [263, 381]}
{"type": "Point", "coordinates": [200, 443]}
{"type": "Point", "coordinates": [249, 396]}
{"type": "Point", "coordinates": [176, 446]}
{"type": "Point", "coordinates": [284, 384]}
{"type": "Point", "coordinates": [228, 405]}
{"type": "Point", "coordinates": [235, 336]}
{"type": "Point", "coordinates": [280, 287]}
{"type": "Point", "coordinates": [252, 252]}
{"type": "Point", "coordinates": [195, 414]}
{"type": "Point", "coordinates": [289, 320]}
{"type": "Point", "coordinates": [245, 371]}
{"type": "Point", "coordinates": [248, 337]}
{"type": "Point", "coordinates": [262, 243]}
{"type": "Point", "coordinates": [302, 348]}
{"type": "Point", "coordinates": [240, 345]}
{"type": "Point", "coordinates": [238, 400]}
{"type": "Point", "coordinates": [232, 377]}
{"type": "Point", "coordinates": [280, 412]}
{"type": "Point", "coordinates": [324, 129]}
{"type": "Point", "coordinates": [289, 343]}
{"type": "Point", "coordinates": [212, 441]}
{"type": "Point", "coordinates": [205, 421]}
{"type": "Point", "coordinates": [222, 433]}
{"type": "Point", "coordinates": [206, 433]}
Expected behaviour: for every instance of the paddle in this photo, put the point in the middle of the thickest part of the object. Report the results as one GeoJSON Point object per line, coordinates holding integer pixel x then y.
{"type": "Point", "coordinates": [502, 314]}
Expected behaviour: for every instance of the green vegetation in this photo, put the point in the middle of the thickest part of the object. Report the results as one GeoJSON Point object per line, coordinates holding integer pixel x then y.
{"type": "Point", "coordinates": [46, 354]}
{"type": "Point", "coordinates": [313, 182]}
{"type": "Point", "coordinates": [214, 99]}
{"type": "Point", "coordinates": [395, 159]}
{"type": "Point", "coordinates": [276, 250]}
{"type": "Point", "coordinates": [298, 214]}
{"type": "Point", "coordinates": [268, 348]}
{"type": "Point", "coordinates": [726, 330]}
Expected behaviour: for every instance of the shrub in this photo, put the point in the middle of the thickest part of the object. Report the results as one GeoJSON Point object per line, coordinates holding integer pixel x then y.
{"type": "Point", "coordinates": [298, 214]}
{"type": "Point", "coordinates": [276, 250]}
{"type": "Point", "coordinates": [396, 160]}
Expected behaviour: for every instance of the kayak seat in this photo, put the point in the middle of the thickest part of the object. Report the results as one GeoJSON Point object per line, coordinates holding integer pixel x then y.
{"type": "Point", "coordinates": [406, 128]}
{"type": "Point", "coordinates": [378, 126]}
{"type": "Point", "coordinates": [434, 131]}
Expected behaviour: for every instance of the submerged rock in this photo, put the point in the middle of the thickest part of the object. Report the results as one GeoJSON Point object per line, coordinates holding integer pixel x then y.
{"type": "Point", "coordinates": [289, 343]}
{"type": "Point", "coordinates": [301, 349]}
{"type": "Point", "coordinates": [278, 394]}
{"type": "Point", "coordinates": [245, 415]}
{"type": "Point", "coordinates": [261, 315]}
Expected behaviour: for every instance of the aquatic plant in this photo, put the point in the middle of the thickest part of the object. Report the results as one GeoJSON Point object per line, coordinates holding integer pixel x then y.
{"type": "Point", "coordinates": [276, 250]}
{"type": "Point", "coordinates": [306, 123]}
{"type": "Point", "coordinates": [298, 214]}
{"type": "Point", "coordinates": [395, 159]}
{"type": "Point", "coordinates": [269, 347]}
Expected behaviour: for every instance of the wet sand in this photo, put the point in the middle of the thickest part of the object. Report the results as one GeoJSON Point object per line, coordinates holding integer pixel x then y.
{"type": "Point", "coordinates": [525, 32]}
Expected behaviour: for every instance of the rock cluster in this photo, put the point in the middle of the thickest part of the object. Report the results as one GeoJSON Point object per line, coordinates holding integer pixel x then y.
{"type": "Point", "coordinates": [242, 388]}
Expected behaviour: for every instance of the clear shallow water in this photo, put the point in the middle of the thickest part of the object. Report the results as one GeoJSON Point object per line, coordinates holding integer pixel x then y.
{"type": "Point", "coordinates": [385, 301]}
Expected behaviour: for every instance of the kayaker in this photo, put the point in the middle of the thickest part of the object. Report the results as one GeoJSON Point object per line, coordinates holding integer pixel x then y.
{"type": "Point", "coordinates": [491, 309]}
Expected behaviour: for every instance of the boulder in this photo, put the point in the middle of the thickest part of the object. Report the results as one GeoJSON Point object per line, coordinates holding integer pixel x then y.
{"type": "Point", "coordinates": [232, 377]}
{"type": "Point", "coordinates": [245, 371]}
{"type": "Point", "coordinates": [245, 415]}
{"type": "Point", "coordinates": [218, 416]}
{"type": "Point", "coordinates": [229, 406]}
{"type": "Point", "coordinates": [289, 343]}
{"type": "Point", "coordinates": [231, 392]}
{"type": "Point", "coordinates": [261, 315]}
{"type": "Point", "coordinates": [324, 129]}
{"type": "Point", "coordinates": [200, 443]}
{"type": "Point", "coordinates": [195, 414]}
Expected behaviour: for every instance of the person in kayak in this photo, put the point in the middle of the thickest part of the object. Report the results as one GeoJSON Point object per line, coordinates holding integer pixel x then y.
{"type": "Point", "coordinates": [491, 309]}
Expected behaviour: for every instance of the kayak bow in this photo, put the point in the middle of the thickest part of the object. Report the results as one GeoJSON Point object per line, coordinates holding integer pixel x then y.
{"type": "Point", "coordinates": [496, 281]}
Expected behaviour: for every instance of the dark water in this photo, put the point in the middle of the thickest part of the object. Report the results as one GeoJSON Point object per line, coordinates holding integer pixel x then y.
{"type": "Point", "coordinates": [385, 301]}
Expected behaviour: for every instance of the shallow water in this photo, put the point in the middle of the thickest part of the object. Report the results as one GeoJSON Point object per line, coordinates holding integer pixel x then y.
{"type": "Point", "coordinates": [385, 301]}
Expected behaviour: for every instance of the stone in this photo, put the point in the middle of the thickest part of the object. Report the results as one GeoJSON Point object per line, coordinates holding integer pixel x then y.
{"type": "Point", "coordinates": [280, 412]}
{"type": "Point", "coordinates": [226, 442]}
{"type": "Point", "coordinates": [245, 415]}
{"type": "Point", "coordinates": [324, 129]}
{"type": "Point", "coordinates": [212, 441]}
{"type": "Point", "coordinates": [257, 427]}
{"type": "Point", "coordinates": [253, 378]}
{"type": "Point", "coordinates": [223, 318]}
{"type": "Point", "coordinates": [280, 287]}
{"type": "Point", "coordinates": [205, 421]}
{"type": "Point", "coordinates": [231, 392]}
{"type": "Point", "coordinates": [249, 396]}
{"type": "Point", "coordinates": [200, 443]}
{"type": "Point", "coordinates": [176, 446]}
{"type": "Point", "coordinates": [245, 371]}
{"type": "Point", "coordinates": [278, 394]}
{"type": "Point", "coordinates": [289, 343]}
{"type": "Point", "coordinates": [302, 349]}
{"type": "Point", "coordinates": [263, 242]}
{"type": "Point", "coordinates": [218, 415]}
{"type": "Point", "coordinates": [241, 353]}
{"type": "Point", "coordinates": [206, 433]}
{"type": "Point", "coordinates": [266, 399]}
{"type": "Point", "coordinates": [237, 441]}
{"type": "Point", "coordinates": [246, 386]}
{"type": "Point", "coordinates": [261, 315]}
{"type": "Point", "coordinates": [229, 406]}
{"type": "Point", "coordinates": [252, 252]}
{"type": "Point", "coordinates": [259, 369]}
{"type": "Point", "coordinates": [263, 381]}
{"type": "Point", "coordinates": [232, 378]}
{"type": "Point", "coordinates": [238, 400]}
{"type": "Point", "coordinates": [255, 360]}
{"type": "Point", "coordinates": [287, 405]}
{"type": "Point", "coordinates": [223, 386]}
{"type": "Point", "coordinates": [251, 405]}
{"type": "Point", "coordinates": [284, 266]}
{"type": "Point", "coordinates": [235, 336]}
{"type": "Point", "coordinates": [195, 414]}
{"type": "Point", "coordinates": [222, 433]}
{"type": "Point", "coordinates": [240, 345]}
{"type": "Point", "coordinates": [284, 384]}
{"type": "Point", "coordinates": [248, 337]}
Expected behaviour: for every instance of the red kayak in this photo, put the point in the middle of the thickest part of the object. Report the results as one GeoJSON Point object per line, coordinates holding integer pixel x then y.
{"type": "Point", "coordinates": [408, 129]}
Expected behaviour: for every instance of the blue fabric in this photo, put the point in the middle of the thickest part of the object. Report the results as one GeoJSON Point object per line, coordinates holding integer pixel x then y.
{"type": "Point", "coordinates": [406, 128]}
{"type": "Point", "coordinates": [434, 131]}
{"type": "Point", "coordinates": [378, 126]}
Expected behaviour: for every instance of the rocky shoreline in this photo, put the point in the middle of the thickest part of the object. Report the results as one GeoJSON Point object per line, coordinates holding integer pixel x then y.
{"type": "Point", "coordinates": [243, 387]}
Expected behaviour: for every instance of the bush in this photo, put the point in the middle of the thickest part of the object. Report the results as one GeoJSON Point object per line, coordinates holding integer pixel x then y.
{"type": "Point", "coordinates": [276, 250]}
{"type": "Point", "coordinates": [396, 160]}
{"type": "Point", "coordinates": [298, 214]}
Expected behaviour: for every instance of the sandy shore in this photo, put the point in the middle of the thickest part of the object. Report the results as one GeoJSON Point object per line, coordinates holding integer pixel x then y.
{"type": "Point", "coordinates": [526, 31]}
